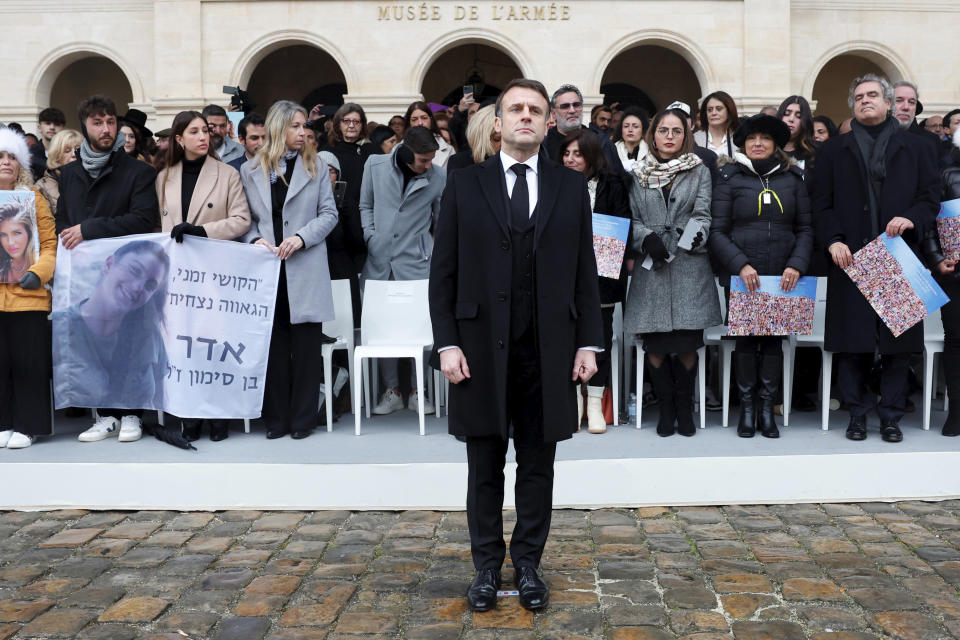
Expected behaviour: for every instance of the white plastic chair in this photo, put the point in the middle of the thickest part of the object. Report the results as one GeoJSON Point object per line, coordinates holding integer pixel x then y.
{"type": "Point", "coordinates": [815, 340]}
{"type": "Point", "coordinates": [341, 328]}
{"type": "Point", "coordinates": [616, 355]}
{"type": "Point", "coordinates": [395, 324]}
{"type": "Point", "coordinates": [932, 345]}
{"type": "Point", "coordinates": [716, 336]}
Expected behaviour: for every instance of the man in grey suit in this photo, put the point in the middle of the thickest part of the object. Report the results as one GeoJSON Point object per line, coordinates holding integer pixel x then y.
{"type": "Point", "coordinates": [399, 199]}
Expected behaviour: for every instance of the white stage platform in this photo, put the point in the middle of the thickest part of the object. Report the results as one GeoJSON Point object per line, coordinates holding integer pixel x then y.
{"type": "Point", "coordinates": [390, 466]}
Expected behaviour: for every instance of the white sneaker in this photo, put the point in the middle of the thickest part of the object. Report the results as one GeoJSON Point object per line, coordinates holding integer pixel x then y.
{"type": "Point", "coordinates": [412, 403]}
{"type": "Point", "coordinates": [19, 441]}
{"type": "Point", "coordinates": [5, 437]}
{"type": "Point", "coordinates": [390, 401]}
{"type": "Point", "coordinates": [105, 427]}
{"type": "Point", "coordinates": [130, 430]}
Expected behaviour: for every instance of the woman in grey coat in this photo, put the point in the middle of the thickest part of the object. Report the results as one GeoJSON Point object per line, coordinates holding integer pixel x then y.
{"type": "Point", "coordinates": [293, 211]}
{"type": "Point", "coordinates": [672, 296]}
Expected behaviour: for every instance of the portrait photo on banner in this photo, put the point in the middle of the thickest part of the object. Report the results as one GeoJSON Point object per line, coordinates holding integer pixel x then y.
{"type": "Point", "coordinates": [141, 322]}
{"type": "Point", "coordinates": [19, 244]}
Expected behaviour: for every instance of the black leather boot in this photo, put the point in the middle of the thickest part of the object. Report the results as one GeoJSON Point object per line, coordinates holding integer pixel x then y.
{"type": "Point", "coordinates": [683, 396]}
{"type": "Point", "coordinates": [951, 370]}
{"type": "Point", "coordinates": [746, 374]}
{"type": "Point", "coordinates": [771, 367]}
{"type": "Point", "coordinates": [191, 428]}
{"type": "Point", "coordinates": [662, 380]}
{"type": "Point", "coordinates": [219, 430]}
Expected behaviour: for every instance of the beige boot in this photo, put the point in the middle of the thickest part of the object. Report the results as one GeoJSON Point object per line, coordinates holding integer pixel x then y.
{"type": "Point", "coordinates": [596, 423]}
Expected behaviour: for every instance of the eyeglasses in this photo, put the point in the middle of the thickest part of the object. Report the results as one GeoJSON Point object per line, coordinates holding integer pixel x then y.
{"type": "Point", "coordinates": [351, 122]}
{"type": "Point", "coordinates": [674, 133]}
{"type": "Point", "coordinates": [569, 105]}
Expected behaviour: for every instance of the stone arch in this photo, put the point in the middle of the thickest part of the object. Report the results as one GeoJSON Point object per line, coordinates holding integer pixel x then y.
{"type": "Point", "coordinates": [675, 42]}
{"type": "Point", "coordinates": [460, 37]}
{"type": "Point", "coordinates": [50, 67]}
{"type": "Point", "coordinates": [891, 63]}
{"type": "Point", "coordinates": [259, 49]}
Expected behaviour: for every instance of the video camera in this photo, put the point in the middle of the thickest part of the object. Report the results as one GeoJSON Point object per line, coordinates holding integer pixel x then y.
{"type": "Point", "coordinates": [240, 100]}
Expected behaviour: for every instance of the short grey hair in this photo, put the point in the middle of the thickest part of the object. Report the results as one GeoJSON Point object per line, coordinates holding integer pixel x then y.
{"type": "Point", "coordinates": [907, 83]}
{"type": "Point", "coordinates": [564, 88]}
{"type": "Point", "coordinates": [871, 77]}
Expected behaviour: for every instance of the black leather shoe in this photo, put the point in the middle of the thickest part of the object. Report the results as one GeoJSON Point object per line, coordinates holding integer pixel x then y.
{"type": "Point", "coordinates": [273, 435]}
{"type": "Point", "coordinates": [300, 435]}
{"type": "Point", "coordinates": [325, 339]}
{"type": "Point", "coordinates": [890, 432]}
{"type": "Point", "coordinates": [534, 593]}
{"type": "Point", "coordinates": [482, 594]}
{"type": "Point", "coordinates": [857, 429]}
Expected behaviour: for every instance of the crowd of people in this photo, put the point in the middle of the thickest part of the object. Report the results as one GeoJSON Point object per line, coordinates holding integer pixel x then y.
{"type": "Point", "coordinates": [780, 193]}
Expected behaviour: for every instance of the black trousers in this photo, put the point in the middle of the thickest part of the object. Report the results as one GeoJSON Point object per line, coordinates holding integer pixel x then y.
{"type": "Point", "coordinates": [25, 370]}
{"type": "Point", "coordinates": [291, 393]}
{"type": "Point", "coordinates": [950, 314]}
{"type": "Point", "coordinates": [768, 345]}
{"type": "Point", "coordinates": [602, 377]}
{"type": "Point", "coordinates": [534, 487]}
{"type": "Point", "coordinates": [853, 370]}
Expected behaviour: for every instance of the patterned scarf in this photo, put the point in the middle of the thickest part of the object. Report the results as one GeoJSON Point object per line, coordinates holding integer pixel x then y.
{"type": "Point", "coordinates": [282, 165]}
{"type": "Point", "coordinates": [94, 162]}
{"type": "Point", "coordinates": [654, 174]}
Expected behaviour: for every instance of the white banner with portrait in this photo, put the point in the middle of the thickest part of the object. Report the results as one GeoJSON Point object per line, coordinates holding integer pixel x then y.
{"type": "Point", "coordinates": [142, 322]}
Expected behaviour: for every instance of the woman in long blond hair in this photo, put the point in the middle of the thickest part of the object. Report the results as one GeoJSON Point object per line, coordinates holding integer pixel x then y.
{"type": "Point", "coordinates": [292, 210]}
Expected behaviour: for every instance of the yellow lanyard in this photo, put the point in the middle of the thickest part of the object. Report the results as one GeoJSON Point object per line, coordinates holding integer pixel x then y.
{"type": "Point", "coordinates": [760, 200]}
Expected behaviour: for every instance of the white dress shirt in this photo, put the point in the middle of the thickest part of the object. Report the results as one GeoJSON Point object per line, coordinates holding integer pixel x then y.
{"type": "Point", "coordinates": [533, 166]}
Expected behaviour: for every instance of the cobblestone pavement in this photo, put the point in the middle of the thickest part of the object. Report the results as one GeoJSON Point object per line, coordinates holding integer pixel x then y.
{"type": "Point", "coordinates": [830, 571]}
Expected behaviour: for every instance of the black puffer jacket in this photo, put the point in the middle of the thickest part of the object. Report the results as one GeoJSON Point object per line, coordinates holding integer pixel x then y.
{"type": "Point", "coordinates": [121, 201]}
{"type": "Point", "coordinates": [769, 242]}
{"type": "Point", "coordinates": [930, 245]}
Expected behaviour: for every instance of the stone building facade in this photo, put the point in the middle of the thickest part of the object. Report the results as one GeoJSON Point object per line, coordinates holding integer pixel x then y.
{"type": "Point", "coordinates": [163, 56]}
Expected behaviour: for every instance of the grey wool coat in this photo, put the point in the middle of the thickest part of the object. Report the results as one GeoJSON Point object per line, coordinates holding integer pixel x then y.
{"type": "Point", "coordinates": [310, 212]}
{"type": "Point", "coordinates": [681, 294]}
{"type": "Point", "coordinates": [397, 221]}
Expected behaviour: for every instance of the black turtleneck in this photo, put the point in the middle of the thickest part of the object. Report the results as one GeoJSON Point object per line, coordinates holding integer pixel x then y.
{"type": "Point", "coordinates": [191, 172]}
{"type": "Point", "coordinates": [762, 167]}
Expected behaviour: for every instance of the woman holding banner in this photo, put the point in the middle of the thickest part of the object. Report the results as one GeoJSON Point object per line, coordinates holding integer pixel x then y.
{"type": "Point", "coordinates": [293, 210]}
{"type": "Point", "coordinates": [761, 227]}
{"type": "Point", "coordinates": [200, 196]}
{"type": "Point", "coordinates": [24, 302]}
{"type": "Point", "coordinates": [581, 151]}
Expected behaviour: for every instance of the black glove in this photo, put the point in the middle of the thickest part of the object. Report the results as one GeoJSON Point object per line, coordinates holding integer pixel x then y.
{"type": "Point", "coordinates": [187, 229]}
{"type": "Point", "coordinates": [697, 239]}
{"type": "Point", "coordinates": [655, 248]}
{"type": "Point", "coordinates": [29, 280]}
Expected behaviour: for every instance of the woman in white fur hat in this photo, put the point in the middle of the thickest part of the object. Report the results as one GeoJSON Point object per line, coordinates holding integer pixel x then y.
{"type": "Point", "coordinates": [24, 301]}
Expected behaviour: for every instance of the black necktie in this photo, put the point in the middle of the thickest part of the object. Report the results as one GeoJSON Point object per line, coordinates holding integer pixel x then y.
{"type": "Point", "coordinates": [520, 198]}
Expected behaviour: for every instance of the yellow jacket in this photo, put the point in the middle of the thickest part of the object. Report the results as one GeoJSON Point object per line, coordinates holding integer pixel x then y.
{"type": "Point", "coordinates": [15, 298]}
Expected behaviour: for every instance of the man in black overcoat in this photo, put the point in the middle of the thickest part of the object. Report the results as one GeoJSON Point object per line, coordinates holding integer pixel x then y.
{"type": "Point", "coordinates": [877, 178]}
{"type": "Point", "coordinates": [516, 315]}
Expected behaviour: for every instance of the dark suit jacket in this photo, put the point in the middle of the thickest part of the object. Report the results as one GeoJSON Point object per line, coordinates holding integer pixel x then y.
{"type": "Point", "coordinates": [841, 208]}
{"type": "Point", "coordinates": [470, 279]}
